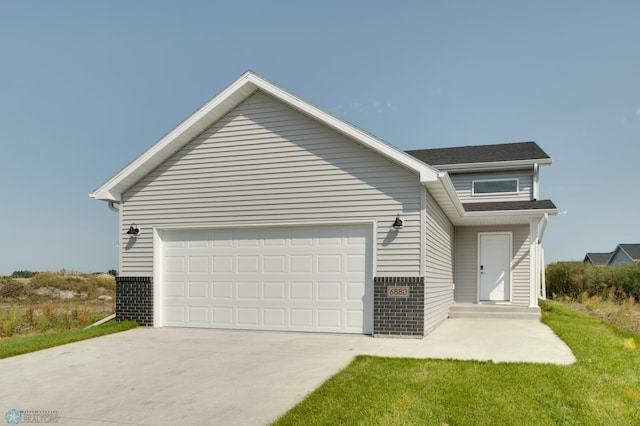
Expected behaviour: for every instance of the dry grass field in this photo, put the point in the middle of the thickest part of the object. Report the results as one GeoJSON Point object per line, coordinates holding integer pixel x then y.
{"type": "Point", "coordinates": [54, 301]}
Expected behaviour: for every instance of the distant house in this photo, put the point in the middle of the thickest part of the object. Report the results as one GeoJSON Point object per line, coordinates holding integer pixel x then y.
{"type": "Point", "coordinates": [625, 253]}
{"type": "Point", "coordinates": [597, 258]}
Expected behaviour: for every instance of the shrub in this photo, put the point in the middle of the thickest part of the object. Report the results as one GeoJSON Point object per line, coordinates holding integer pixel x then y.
{"type": "Point", "coordinates": [23, 274]}
{"type": "Point", "coordinates": [10, 322]}
{"type": "Point", "coordinates": [578, 281]}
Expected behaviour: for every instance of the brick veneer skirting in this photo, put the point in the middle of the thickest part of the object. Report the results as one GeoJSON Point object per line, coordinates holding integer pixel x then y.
{"type": "Point", "coordinates": [398, 316]}
{"type": "Point", "coordinates": [134, 300]}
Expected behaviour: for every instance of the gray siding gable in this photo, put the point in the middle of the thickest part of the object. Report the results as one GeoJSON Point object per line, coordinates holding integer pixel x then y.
{"type": "Point", "coordinates": [264, 163]}
{"type": "Point", "coordinates": [625, 253]}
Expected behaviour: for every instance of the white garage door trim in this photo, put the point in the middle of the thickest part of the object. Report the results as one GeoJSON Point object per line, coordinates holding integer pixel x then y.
{"type": "Point", "coordinates": [311, 277]}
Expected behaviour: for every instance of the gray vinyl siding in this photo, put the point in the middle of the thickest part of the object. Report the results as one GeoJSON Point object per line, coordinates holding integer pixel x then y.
{"type": "Point", "coordinates": [620, 257]}
{"type": "Point", "coordinates": [265, 163]}
{"type": "Point", "coordinates": [463, 185]}
{"type": "Point", "coordinates": [466, 263]}
{"type": "Point", "coordinates": [438, 265]}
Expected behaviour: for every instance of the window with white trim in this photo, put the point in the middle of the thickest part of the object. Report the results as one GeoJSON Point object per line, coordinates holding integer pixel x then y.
{"type": "Point", "coordinates": [495, 186]}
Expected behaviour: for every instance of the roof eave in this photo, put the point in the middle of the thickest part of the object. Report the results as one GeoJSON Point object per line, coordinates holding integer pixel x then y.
{"type": "Point", "coordinates": [513, 213]}
{"type": "Point", "coordinates": [494, 165]}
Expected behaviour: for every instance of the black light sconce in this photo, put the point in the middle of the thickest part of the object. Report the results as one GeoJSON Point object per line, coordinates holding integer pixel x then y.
{"type": "Point", "coordinates": [134, 231]}
{"type": "Point", "coordinates": [398, 223]}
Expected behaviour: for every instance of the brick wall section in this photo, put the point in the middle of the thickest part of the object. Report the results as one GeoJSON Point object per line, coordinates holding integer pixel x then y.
{"type": "Point", "coordinates": [134, 300]}
{"type": "Point", "coordinates": [403, 316]}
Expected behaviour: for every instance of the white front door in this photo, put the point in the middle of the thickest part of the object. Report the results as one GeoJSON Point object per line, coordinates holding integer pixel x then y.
{"type": "Point", "coordinates": [494, 262]}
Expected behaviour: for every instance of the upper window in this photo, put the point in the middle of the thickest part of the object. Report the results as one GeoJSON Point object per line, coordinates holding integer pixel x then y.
{"type": "Point", "coordinates": [494, 186]}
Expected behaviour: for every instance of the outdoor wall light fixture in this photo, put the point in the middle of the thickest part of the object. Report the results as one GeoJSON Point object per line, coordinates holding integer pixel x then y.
{"type": "Point", "coordinates": [134, 231]}
{"type": "Point", "coordinates": [398, 223]}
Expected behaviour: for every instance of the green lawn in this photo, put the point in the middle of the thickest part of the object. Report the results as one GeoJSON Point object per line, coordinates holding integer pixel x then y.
{"type": "Point", "coordinates": [602, 388]}
{"type": "Point", "coordinates": [12, 346]}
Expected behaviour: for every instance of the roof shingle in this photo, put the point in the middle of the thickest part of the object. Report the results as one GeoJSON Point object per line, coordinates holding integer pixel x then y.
{"type": "Point", "coordinates": [480, 154]}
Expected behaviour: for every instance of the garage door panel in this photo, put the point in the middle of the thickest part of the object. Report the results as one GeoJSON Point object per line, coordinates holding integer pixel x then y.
{"type": "Point", "coordinates": [301, 263]}
{"type": "Point", "coordinates": [356, 263]}
{"type": "Point", "coordinates": [329, 263]}
{"type": "Point", "coordinates": [175, 315]}
{"type": "Point", "coordinates": [175, 289]}
{"type": "Point", "coordinates": [199, 289]}
{"type": "Point", "coordinates": [302, 237]}
{"type": "Point", "coordinates": [330, 318]}
{"type": "Point", "coordinates": [301, 318]}
{"type": "Point", "coordinates": [274, 317]}
{"type": "Point", "coordinates": [198, 264]}
{"type": "Point", "coordinates": [222, 290]}
{"type": "Point", "coordinates": [330, 291]}
{"type": "Point", "coordinates": [303, 279]}
{"type": "Point", "coordinates": [221, 264]}
{"type": "Point", "coordinates": [248, 316]}
{"type": "Point", "coordinates": [198, 239]}
{"type": "Point", "coordinates": [248, 290]}
{"type": "Point", "coordinates": [301, 291]}
{"type": "Point", "coordinates": [199, 315]}
{"type": "Point", "coordinates": [174, 264]}
{"type": "Point", "coordinates": [274, 264]}
{"type": "Point", "coordinates": [355, 291]}
{"type": "Point", "coordinates": [274, 291]}
{"type": "Point", "coordinates": [354, 319]}
{"type": "Point", "coordinates": [248, 238]}
{"type": "Point", "coordinates": [222, 239]}
{"type": "Point", "coordinates": [221, 316]}
{"type": "Point", "coordinates": [248, 264]}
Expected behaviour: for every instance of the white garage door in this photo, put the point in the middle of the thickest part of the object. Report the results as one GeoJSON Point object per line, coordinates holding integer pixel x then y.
{"type": "Point", "coordinates": [296, 279]}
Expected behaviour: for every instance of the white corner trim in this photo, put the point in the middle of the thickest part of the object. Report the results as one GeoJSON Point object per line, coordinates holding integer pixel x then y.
{"type": "Point", "coordinates": [157, 278]}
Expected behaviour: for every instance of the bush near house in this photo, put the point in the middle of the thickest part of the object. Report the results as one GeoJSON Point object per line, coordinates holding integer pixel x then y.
{"type": "Point", "coordinates": [606, 292]}
{"type": "Point", "coordinates": [577, 280]}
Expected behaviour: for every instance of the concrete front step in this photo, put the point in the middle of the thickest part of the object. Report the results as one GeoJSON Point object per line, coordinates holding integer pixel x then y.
{"type": "Point", "coordinates": [470, 310]}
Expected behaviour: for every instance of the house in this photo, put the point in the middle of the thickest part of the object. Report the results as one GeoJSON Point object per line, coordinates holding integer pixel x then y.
{"type": "Point", "coordinates": [262, 211]}
{"type": "Point", "coordinates": [625, 253]}
{"type": "Point", "coordinates": [597, 258]}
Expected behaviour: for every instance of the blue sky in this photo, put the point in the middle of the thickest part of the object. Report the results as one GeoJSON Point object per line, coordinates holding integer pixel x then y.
{"type": "Point", "coordinates": [85, 87]}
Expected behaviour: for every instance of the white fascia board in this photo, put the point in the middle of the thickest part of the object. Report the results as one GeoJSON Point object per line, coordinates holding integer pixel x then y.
{"type": "Point", "coordinates": [445, 180]}
{"type": "Point", "coordinates": [496, 165]}
{"type": "Point", "coordinates": [533, 213]}
{"type": "Point", "coordinates": [220, 105]}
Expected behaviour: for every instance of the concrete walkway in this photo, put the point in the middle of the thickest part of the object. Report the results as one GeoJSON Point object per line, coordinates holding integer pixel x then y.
{"type": "Point", "coordinates": [170, 376]}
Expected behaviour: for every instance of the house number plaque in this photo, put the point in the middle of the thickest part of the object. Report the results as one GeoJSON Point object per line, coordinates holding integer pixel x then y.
{"type": "Point", "coordinates": [398, 291]}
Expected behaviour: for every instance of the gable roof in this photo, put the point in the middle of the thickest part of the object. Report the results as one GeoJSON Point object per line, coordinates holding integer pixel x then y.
{"type": "Point", "coordinates": [631, 250]}
{"type": "Point", "coordinates": [223, 103]}
{"type": "Point", "coordinates": [519, 153]}
{"type": "Point", "coordinates": [597, 258]}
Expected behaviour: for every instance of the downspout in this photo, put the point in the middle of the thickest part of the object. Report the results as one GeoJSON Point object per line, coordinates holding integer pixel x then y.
{"type": "Point", "coordinates": [542, 289]}
{"type": "Point", "coordinates": [545, 220]}
{"type": "Point", "coordinates": [112, 207]}
{"type": "Point", "coordinates": [536, 180]}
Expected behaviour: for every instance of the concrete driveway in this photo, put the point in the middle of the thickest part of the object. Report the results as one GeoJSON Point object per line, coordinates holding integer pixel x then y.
{"type": "Point", "coordinates": [171, 376]}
